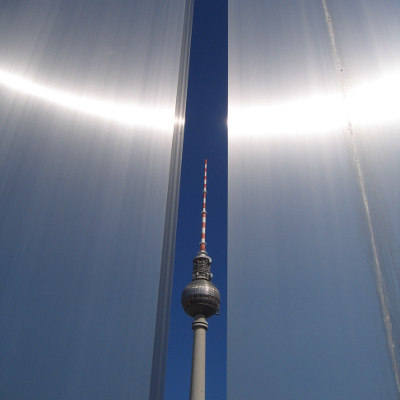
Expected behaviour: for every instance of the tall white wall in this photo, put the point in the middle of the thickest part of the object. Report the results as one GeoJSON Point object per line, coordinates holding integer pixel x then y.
{"type": "Point", "coordinates": [313, 222]}
{"type": "Point", "coordinates": [83, 196]}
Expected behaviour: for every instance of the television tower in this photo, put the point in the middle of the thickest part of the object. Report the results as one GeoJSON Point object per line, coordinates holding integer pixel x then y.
{"type": "Point", "coordinates": [201, 300]}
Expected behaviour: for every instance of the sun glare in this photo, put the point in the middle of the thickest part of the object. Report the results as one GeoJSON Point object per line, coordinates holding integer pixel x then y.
{"type": "Point", "coordinates": [371, 103]}
{"type": "Point", "coordinates": [128, 114]}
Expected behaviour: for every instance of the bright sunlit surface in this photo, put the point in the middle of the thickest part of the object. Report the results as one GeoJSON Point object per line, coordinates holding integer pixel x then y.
{"type": "Point", "coordinates": [128, 114]}
{"type": "Point", "coordinates": [374, 102]}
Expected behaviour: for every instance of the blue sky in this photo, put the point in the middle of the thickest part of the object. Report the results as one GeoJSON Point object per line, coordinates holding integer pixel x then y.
{"type": "Point", "coordinates": [205, 137]}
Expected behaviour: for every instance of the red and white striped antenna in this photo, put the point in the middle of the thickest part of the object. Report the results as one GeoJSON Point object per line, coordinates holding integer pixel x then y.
{"type": "Point", "coordinates": [204, 213]}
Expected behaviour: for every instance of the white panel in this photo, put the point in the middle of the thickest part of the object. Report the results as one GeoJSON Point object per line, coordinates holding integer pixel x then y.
{"type": "Point", "coordinates": [304, 313]}
{"type": "Point", "coordinates": [88, 94]}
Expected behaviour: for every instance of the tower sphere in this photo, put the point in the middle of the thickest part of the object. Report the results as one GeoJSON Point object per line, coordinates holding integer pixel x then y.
{"type": "Point", "coordinates": [201, 297]}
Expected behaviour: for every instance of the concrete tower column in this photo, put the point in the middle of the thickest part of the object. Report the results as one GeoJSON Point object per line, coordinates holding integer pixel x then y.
{"type": "Point", "coordinates": [198, 378]}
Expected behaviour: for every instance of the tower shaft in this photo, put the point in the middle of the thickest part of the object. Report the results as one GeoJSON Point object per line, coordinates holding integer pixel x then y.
{"type": "Point", "coordinates": [198, 377]}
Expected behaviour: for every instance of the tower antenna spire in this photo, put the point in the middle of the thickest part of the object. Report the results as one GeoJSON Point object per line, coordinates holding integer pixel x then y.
{"type": "Point", "coordinates": [204, 213]}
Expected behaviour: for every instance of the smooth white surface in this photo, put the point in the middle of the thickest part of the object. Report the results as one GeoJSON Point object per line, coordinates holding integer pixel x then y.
{"type": "Point", "coordinates": [83, 197]}
{"type": "Point", "coordinates": [312, 193]}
